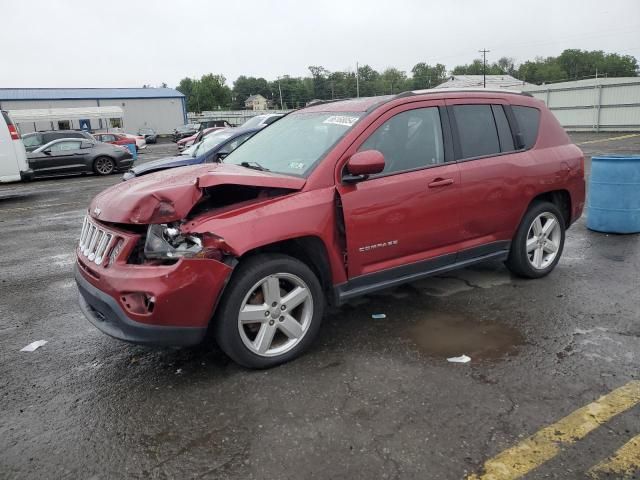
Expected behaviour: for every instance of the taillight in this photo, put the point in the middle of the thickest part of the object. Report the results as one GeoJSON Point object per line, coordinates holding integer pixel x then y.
{"type": "Point", "coordinates": [14, 132]}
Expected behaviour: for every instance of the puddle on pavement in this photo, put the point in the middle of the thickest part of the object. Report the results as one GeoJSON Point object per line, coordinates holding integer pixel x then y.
{"type": "Point", "coordinates": [450, 335]}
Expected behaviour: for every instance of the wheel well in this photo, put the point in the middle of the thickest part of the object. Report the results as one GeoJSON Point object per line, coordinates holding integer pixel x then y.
{"type": "Point", "coordinates": [561, 198]}
{"type": "Point", "coordinates": [309, 250]}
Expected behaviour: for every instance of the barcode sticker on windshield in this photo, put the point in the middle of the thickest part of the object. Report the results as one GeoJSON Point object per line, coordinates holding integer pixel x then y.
{"type": "Point", "coordinates": [341, 120]}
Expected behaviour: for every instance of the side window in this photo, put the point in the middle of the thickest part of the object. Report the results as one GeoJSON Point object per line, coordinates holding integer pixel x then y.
{"type": "Point", "coordinates": [108, 138]}
{"type": "Point", "coordinates": [504, 131]}
{"type": "Point", "coordinates": [409, 140]}
{"type": "Point", "coordinates": [477, 130]}
{"type": "Point", "coordinates": [528, 119]}
{"type": "Point", "coordinates": [65, 146]}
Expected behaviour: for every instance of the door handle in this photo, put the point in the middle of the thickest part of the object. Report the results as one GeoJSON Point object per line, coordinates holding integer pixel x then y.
{"type": "Point", "coordinates": [441, 182]}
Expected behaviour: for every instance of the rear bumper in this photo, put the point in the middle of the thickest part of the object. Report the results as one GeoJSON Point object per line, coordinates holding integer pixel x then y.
{"type": "Point", "coordinates": [104, 312]}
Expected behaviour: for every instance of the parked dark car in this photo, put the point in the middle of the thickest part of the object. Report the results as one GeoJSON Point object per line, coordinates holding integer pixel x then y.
{"type": "Point", "coordinates": [70, 155]}
{"type": "Point", "coordinates": [212, 148]}
{"type": "Point", "coordinates": [149, 134]}
{"type": "Point", "coordinates": [185, 131]}
{"type": "Point", "coordinates": [35, 140]}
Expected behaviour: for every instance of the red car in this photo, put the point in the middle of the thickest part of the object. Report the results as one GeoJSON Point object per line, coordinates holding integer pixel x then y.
{"type": "Point", "coordinates": [114, 138]}
{"type": "Point", "coordinates": [332, 201]}
{"type": "Point", "coordinates": [188, 141]}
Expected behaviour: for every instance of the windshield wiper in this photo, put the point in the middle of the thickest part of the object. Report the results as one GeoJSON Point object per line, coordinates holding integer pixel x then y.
{"type": "Point", "coordinates": [254, 166]}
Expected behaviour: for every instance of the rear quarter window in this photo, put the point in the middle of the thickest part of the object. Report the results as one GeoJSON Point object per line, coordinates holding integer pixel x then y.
{"type": "Point", "coordinates": [528, 119]}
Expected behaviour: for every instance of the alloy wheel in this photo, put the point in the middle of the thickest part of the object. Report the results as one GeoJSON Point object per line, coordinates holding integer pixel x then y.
{"type": "Point", "coordinates": [543, 240]}
{"type": "Point", "coordinates": [104, 166]}
{"type": "Point", "coordinates": [275, 314]}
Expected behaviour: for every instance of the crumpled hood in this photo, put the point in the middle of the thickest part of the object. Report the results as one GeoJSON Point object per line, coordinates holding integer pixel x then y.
{"type": "Point", "coordinates": [169, 195]}
{"type": "Point", "coordinates": [168, 162]}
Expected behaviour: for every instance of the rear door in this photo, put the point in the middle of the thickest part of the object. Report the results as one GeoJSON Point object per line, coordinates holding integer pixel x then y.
{"type": "Point", "coordinates": [406, 218]}
{"type": "Point", "coordinates": [492, 174]}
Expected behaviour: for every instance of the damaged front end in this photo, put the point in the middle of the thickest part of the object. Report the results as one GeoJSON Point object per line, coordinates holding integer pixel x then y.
{"type": "Point", "coordinates": [144, 273]}
{"type": "Point", "coordinates": [171, 195]}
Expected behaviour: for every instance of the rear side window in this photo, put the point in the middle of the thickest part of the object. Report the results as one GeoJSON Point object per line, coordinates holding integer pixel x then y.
{"type": "Point", "coordinates": [476, 130]}
{"type": "Point", "coordinates": [528, 119]}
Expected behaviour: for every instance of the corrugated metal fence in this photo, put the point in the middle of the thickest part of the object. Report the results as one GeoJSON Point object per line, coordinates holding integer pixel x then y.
{"type": "Point", "coordinates": [603, 104]}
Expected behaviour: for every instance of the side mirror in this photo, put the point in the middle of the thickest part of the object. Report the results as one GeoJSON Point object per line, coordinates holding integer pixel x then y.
{"type": "Point", "coordinates": [47, 151]}
{"type": "Point", "coordinates": [362, 164]}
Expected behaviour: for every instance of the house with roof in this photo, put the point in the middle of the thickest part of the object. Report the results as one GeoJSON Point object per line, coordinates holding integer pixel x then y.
{"type": "Point", "coordinates": [162, 109]}
{"type": "Point", "coordinates": [256, 102]}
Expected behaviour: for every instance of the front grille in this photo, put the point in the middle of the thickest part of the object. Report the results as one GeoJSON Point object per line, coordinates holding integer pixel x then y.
{"type": "Point", "coordinates": [95, 241]}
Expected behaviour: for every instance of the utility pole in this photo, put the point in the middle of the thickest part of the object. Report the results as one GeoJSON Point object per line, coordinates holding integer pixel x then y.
{"type": "Point", "coordinates": [484, 52]}
{"type": "Point", "coordinates": [280, 90]}
{"type": "Point", "coordinates": [357, 81]}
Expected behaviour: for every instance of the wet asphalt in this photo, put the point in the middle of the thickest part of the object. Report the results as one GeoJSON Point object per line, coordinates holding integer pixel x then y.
{"type": "Point", "coordinates": [374, 398]}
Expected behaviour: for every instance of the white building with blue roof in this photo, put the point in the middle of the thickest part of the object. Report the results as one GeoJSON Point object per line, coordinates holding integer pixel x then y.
{"type": "Point", "coordinates": [162, 109]}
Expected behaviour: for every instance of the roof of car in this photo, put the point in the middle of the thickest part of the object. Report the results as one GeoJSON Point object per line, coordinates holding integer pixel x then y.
{"type": "Point", "coordinates": [364, 104]}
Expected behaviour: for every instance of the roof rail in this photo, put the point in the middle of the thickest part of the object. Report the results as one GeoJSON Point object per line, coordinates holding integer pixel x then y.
{"type": "Point", "coordinates": [463, 89]}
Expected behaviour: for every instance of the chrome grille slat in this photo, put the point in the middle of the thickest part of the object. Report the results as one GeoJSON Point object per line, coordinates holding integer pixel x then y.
{"type": "Point", "coordinates": [95, 242]}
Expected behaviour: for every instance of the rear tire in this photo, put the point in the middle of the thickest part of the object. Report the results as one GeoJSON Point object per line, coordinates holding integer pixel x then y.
{"type": "Point", "coordinates": [104, 166]}
{"type": "Point", "coordinates": [538, 243]}
{"type": "Point", "coordinates": [270, 312]}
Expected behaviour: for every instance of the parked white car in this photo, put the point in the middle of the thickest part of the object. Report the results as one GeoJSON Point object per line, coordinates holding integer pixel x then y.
{"type": "Point", "coordinates": [13, 156]}
{"type": "Point", "coordinates": [263, 120]}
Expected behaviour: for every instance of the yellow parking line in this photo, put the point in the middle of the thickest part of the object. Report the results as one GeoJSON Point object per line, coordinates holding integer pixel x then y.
{"type": "Point", "coordinates": [546, 443]}
{"type": "Point", "coordinates": [621, 137]}
{"type": "Point", "coordinates": [624, 463]}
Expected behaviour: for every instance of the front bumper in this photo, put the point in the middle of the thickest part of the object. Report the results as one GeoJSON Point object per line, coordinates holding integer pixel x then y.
{"type": "Point", "coordinates": [149, 304]}
{"type": "Point", "coordinates": [107, 316]}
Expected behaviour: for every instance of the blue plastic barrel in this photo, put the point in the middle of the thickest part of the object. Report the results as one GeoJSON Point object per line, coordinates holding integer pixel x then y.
{"type": "Point", "coordinates": [613, 204]}
{"type": "Point", "coordinates": [132, 149]}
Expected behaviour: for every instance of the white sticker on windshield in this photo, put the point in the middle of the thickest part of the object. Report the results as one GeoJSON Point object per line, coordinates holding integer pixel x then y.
{"type": "Point", "coordinates": [296, 165]}
{"type": "Point", "coordinates": [341, 120]}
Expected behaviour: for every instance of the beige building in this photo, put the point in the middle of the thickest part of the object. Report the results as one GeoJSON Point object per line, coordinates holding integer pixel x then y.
{"type": "Point", "coordinates": [256, 102]}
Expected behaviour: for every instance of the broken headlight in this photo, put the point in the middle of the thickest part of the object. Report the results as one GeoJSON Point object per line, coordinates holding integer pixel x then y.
{"type": "Point", "coordinates": [166, 241]}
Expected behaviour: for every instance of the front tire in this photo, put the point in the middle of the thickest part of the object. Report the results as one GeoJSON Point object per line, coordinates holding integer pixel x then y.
{"type": "Point", "coordinates": [539, 241]}
{"type": "Point", "coordinates": [104, 166]}
{"type": "Point", "coordinates": [271, 311]}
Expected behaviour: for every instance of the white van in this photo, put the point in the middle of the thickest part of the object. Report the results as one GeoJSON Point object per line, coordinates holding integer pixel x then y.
{"type": "Point", "coordinates": [13, 157]}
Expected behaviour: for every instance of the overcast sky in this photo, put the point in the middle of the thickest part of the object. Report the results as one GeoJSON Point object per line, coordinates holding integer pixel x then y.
{"type": "Point", "coordinates": [48, 43]}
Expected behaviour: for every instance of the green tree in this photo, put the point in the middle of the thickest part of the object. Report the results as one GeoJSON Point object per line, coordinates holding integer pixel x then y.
{"type": "Point", "coordinates": [320, 75]}
{"type": "Point", "coordinates": [244, 87]}
{"type": "Point", "coordinates": [426, 76]}
{"type": "Point", "coordinates": [393, 81]}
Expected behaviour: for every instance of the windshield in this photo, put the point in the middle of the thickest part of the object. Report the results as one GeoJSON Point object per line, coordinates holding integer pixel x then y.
{"type": "Point", "coordinates": [294, 144]}
{"type": "Point", "coordinates": [209, 142]}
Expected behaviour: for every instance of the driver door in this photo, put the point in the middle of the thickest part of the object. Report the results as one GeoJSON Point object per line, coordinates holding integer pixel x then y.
{"type": "Point", "coordinates": [63, 155]}
{"type": "Point", "coordinates": [406, 218]}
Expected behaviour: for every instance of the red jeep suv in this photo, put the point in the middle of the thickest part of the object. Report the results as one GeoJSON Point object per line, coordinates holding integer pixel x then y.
{"type": "Point", "coordinates": [336, 200]}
